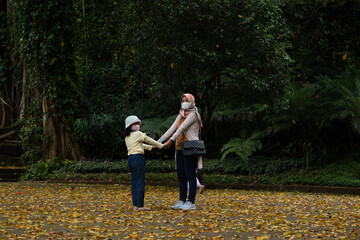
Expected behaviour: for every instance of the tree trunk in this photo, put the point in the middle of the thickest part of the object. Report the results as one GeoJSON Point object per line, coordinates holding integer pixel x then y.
{"type": "Point", "coordinates": [24, 93]}
{"type": "Point", "coordinates": [307, 147]}
{"type": "Point", "coordinates": [9, 92]}
{"type": "Point", "coordinates": [350, 134]}
{"type": "Point", "coordinates": [61, 143]}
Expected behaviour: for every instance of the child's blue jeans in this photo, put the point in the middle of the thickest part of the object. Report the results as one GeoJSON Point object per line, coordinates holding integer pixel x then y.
{"type": "Point", "coordinates": [186, 171]}
{"type": "Point", "coordinates": [136, 165]}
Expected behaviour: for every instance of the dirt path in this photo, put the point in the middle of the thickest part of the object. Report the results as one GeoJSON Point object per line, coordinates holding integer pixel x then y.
{"type": "Point", "coordinates": [90, 211]}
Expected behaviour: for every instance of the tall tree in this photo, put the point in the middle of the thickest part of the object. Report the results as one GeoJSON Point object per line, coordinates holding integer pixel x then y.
{"type": "Point", "coordinates": [324, 35]}
{"type": "Point", "coordinates": [230, 54]}
{"type": "Point", "coordinates": [10, 86]}
{"type": "Point", "coordinates": [46, 39]}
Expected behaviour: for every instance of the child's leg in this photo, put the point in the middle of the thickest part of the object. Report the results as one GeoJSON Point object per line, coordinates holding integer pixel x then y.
{"type": "Point", "coordinates": [132, 168]}
{"type": "Point", "coordinates": [137, 167]}
{"type": "Point", "coordinates": [198, 184]}
{"type": "Point", "coordinates": [140, 183]}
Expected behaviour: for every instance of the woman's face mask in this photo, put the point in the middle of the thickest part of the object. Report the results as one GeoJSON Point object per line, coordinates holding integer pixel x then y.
{"type": "Point", "coordinates": [135, 127]}
{"type": "Point", "coordinates": [185, 105]}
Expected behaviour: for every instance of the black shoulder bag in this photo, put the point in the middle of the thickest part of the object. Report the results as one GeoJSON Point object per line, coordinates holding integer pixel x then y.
{"type": "Point", "coordinates": [194, 147]}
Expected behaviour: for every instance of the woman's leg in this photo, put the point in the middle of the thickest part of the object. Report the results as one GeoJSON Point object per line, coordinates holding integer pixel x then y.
{"type": "Point", "coordinates": [190, 169]}
{"type": "Point", "coordinates": [180, 170]}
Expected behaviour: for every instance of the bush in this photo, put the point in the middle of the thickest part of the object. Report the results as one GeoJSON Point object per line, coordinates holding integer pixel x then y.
{"type": "Point", "coordinates": [98, 136]}
{"type": "Point", "coordinates": [255, 165]}
{"type": "Point", "coordinates": [215, 172]}
{"type": "Point", "coordinates": [42, 170]}
{"type": "Point", "coordinates": [101, 166]}
{"type": "Point", "coordinates": [31, 135]}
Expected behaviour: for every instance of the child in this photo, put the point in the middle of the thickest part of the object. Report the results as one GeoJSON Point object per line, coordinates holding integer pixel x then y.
{"type": "Point", "coordinates": [198, 185]}
{"type": "Point", "coordinates": [134, 140]}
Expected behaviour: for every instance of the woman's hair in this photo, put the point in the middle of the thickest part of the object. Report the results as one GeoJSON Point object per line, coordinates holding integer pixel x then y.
{"type": "Point", "coordinates": [126, 132]}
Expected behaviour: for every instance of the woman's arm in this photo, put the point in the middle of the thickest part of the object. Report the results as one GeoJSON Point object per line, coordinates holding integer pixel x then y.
{"type": "Point", "coordinates": [190, 119]}
{"type": "Point", "coordinates": [171, 130]}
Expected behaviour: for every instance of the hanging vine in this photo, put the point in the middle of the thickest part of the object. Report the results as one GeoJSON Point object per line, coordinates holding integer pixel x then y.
{"type": "Point", "coordinates": [46, 35]}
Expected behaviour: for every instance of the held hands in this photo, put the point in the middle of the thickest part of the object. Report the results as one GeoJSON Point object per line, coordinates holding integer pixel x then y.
{"type": "Point", "coordinates": [165, 145]}
{"type": "Point", "coordinates": [168, 144]}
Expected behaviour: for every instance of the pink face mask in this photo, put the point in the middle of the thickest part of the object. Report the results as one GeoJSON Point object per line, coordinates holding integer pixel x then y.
{"type": "Point", "coordinates": [135, 127]}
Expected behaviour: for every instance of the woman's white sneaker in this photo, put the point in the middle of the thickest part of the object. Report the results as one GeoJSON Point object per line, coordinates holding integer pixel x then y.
{"type": "Point", "coordinates": [178, 205]}
{"type": "Point", "coordinates": [188, 206]}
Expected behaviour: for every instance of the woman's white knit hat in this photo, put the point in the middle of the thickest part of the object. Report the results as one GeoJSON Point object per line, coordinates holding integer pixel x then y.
{"type": "Point", "coordinates": [130, 120]}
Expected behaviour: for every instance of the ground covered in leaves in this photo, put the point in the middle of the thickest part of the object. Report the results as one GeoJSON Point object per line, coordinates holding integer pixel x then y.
{"type": "Point", "coordinates": [39, 210]}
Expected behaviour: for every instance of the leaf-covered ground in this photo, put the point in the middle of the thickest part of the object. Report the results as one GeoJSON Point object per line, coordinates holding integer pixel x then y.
{"type": "Point", "coordinates": [33, 210]}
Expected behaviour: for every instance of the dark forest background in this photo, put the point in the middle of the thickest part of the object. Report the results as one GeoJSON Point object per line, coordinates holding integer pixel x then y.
{"type": "Point", "coordinates": [272, 79]}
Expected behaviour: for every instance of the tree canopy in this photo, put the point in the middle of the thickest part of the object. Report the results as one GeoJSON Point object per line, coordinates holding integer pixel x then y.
{"type": "Point", "coordinates": [71, 71]}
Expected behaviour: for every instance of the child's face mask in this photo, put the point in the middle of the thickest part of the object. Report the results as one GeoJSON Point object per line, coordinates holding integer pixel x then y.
{"type": "Point", "coordinates": [135, 127]}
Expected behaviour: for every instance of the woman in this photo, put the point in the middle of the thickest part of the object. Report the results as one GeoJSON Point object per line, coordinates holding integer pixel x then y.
{"type": "Point", "coordinates": [186, 127]}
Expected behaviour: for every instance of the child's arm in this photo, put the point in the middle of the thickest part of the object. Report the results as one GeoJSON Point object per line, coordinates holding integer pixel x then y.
{"type": "Point", "coordinates": [153, 142]}
{"type": "Point", "coordinates": [147, 147]}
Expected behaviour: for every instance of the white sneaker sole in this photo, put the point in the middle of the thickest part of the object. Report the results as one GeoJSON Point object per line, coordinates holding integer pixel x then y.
{"type": "Point", "coordinates": [175, 207]}
{"type": "Point", "coordinates": [193, 208]}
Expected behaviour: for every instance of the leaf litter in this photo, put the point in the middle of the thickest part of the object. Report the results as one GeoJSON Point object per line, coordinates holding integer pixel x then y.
{"type": "Point", "coordinates": [41, 210]}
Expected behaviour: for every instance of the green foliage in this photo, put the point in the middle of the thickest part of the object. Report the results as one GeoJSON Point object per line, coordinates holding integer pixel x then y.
{"type": "Point", "coordinates": [243, 147]}
{"type": "Point", "coordinates": [136, 57]}
{"type": "Point", "coordinates": [299, 110]}
{"type": "Point", "coordinates": [42, 170]}
{"type": "Point", "coordinates": [347, 105]}
{"type": "Point", "coordinates": [258, 165]}
{"type": "Point", "coordinates": [257, 171]}
{"type": "Point", "coordinates": [243, 113]}
{"type": "Point", "coordinates": [225, 180]}
{"type": "Point", "coordinates": [121, 166]}
{"type": "Point", "coordinates": [99, 135]}
{"type": "Point", "coordinates": [160, 166]}
{"type": "Point", "coordinates": [102, 91]}
{"type": "Point", "coordinates": [101, 166]}
{"type": "Point", "coordinates": [220, 48]}
{"type": "Point", "coordinates": [155, 127]}
{"type": "Point", "coordinates": [324, 42]}
{"type": "Point", "coordinates": [3, 70]}
{"type": "Point", "coordinates": [46, 37]}
{"type": "Point", "coordinates": [336, 174]}
{"type": "Point", "coordinates": [31, 136]}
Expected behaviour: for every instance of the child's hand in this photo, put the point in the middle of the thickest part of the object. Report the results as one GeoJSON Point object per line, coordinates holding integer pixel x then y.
{"type": "Point", "coordinates": [154, 147]}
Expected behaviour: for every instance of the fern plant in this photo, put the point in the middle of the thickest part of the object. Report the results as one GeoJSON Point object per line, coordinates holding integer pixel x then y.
{"type": "Point", "coordinates": [301, 111]}
{"type": "Point", "coordinates": [243, 146]}
{"type": "Point", "coordinates": [155, 127]}
{"type": "Point", "coordinates": [347, 106]}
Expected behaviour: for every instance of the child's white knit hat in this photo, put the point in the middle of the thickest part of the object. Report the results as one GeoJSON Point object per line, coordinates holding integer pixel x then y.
{"type": "Point", "coordinates": [130, 120]}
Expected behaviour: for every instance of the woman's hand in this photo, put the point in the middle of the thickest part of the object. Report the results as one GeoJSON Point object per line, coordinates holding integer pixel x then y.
{"type": "Point", "coordinates": [168, 144]}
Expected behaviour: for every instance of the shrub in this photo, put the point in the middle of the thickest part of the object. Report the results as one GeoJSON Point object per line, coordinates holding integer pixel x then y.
{"type": "Point", "coordinates": [97, 135]}
{"type": "Point", "coordinates": [42, 170]}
